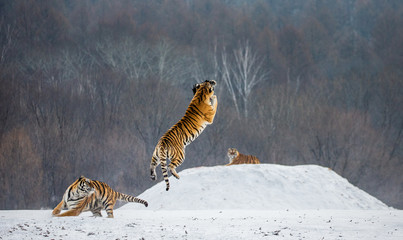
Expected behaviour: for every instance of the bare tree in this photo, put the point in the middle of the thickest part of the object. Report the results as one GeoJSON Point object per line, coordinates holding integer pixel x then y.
{"type": "Point", "coordinates": [170, 63]}
{"type": "Point", "coordinates": [7, 42]}
{"type": "Point", "coordinates": [242, 74]}
{"type": "Point", "coordinates": [131, 58]}
{"type": "Point", "coordinates": [205, 65]}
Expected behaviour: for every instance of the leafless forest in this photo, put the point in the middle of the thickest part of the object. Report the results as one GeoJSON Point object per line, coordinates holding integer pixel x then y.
{"type": "Point", "coordinates": [89, 86]}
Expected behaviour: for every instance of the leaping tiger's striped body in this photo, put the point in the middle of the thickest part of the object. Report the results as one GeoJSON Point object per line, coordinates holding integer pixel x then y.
{"type": "Point", "coordinates": [91, 195]}
{"type": "Point", "coordinates": [199, 114]}
{"type": "Point", "coordinates": [238, 158]}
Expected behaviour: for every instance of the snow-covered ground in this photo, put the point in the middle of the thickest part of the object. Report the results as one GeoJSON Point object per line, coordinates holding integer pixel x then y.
{"type": "Point", "coordinates": [237, 202]}
{"type": "Point", "coordinates": [263, 186]}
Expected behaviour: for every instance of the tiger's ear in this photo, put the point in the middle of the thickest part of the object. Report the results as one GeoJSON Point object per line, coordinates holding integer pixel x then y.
{"type": "Point", "coordinates": [195, 87]}
{"type": "Point", "coordinates": [212, 82]}
{"type": "Point", "coordinates": [86, 179]}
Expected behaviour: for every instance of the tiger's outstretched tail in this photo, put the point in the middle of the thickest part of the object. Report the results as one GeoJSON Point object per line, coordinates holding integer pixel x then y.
{"type": "Point", "coordinates": [171, 145]}
{"type": "Point", "coordinates": [128, 198]}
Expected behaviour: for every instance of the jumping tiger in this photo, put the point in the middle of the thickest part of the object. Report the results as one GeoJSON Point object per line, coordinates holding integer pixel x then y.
{"type": "Point", "coordinates": [91, 195]}
{"type": "Point", "coordinates": [171, 145]}
{"type": "Point", "coordinates": [238, 158]}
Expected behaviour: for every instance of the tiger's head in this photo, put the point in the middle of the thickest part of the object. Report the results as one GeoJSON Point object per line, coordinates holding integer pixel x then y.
{"type": "Point", "coordinates": [82, 187]}
{"type": "Point", "coordinates": [204, 90]}
{"type": "Point", "coordinates": [232, 153]}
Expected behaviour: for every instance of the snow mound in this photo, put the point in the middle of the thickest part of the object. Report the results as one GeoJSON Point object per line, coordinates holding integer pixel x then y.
{"type": "Point", "coordinates": [263, 186]}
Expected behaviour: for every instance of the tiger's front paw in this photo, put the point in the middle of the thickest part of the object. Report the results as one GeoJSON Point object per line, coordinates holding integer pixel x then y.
{"type": "Point", "coordinates": [213, 99]}
{"type": "Point", "coordinates": [56, 212]}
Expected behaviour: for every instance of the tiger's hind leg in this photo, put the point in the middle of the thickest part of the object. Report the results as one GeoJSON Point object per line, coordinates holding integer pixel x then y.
{"type": "Point", "coordinates": [165, 172]}
{"type": "Point", "coordinates": [109, 208]}
{"type": "Point", "coordinates": [110, 213]}
{"type": "Point", "coordinates": [174, 164]}
{"type": "Point", "coordinates": [155, 161]}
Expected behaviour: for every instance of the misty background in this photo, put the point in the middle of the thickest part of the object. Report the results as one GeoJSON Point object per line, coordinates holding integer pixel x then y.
{"type": "Point", "coordinates": [89, 86]}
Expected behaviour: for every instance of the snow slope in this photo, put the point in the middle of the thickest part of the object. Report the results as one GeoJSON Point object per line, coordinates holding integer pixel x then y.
{"type": "Point", "coordinates": [237, 202]}
{"type": "Point", "coordinates": [263, 186]}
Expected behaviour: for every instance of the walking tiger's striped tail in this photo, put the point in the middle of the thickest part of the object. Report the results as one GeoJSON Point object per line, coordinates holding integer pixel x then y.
{"type": "Point", "coordinates": [128, 198]}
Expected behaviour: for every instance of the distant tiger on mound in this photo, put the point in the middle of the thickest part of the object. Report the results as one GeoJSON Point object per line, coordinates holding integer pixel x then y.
{"type": "Point", "coordinates": [238, 158]}
{"type": "Point", "coordinates": [199, 114]}
{"type": "Point", "coordinates": [91, 195]}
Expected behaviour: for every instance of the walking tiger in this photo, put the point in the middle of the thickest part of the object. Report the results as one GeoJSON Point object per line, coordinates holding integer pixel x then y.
{"type": "Point", "coordinates": [91, 195]}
